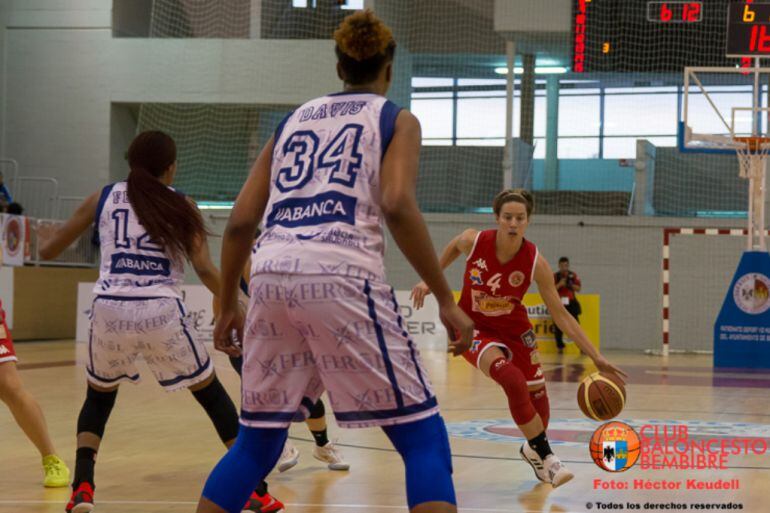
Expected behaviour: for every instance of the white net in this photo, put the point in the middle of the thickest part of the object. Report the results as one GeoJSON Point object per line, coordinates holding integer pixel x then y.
{"type": "Point", "coordinates": [701, 268]}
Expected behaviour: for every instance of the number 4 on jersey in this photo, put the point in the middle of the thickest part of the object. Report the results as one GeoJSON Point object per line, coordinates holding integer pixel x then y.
{"type": "Point", "coordinates": [494, 282]}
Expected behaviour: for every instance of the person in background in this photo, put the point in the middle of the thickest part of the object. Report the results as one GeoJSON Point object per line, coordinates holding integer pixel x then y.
{"type": "Point", "coordinates": [5, 194]}
{"type": "Point", "coordinates": [567, 285]}
{"type": "Point", "coordinates": [15, 209]}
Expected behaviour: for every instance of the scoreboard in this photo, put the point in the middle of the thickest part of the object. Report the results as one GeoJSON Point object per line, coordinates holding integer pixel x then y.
{"type": "Point", "coordinates": [666, 36]}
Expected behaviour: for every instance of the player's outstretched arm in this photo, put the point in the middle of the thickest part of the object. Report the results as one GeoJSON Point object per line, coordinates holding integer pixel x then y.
{"type": "Point", "coordinates": [53, 241]}
{"type": "Point", "coordinates": [398, 179]}
{"type": "Point", "coordinates": [247, 211]}
{"type": "Point", "coordinates": [565, 321]}
{"type": "Point", "coordinates": [461, 244]}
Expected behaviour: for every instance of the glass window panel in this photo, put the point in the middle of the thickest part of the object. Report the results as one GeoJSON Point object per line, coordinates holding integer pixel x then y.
{"type": "Point", "coordinates": [577, 92]}
{"type": "Point", "coordinates": [639, 90]}
{"type": "Point", "coordinates": [431, 82]}
{"type": "Point", "coordinates": [437, 142]}
{"type": "Point", "coordinates": [703, 119]}
{"type": "Point", "coordinates": [640, 114]}
{"type": "Point", "coordinates": [481, 94]}
{"type": "Point", "coordinates": [539, 152]}
{"type": "Point", "coordinates": [353, 4]}
{"type": "Point", "coordinates": [625, 147]}
{"type": "Point", "coordinates": [578, 148]}
{"type": "Point", "coordinates": [447, 94]}
{"type": "Point", "coordinates": [480, 81]}
{"type": "Point", "coordinates": [481, 142]}
{"type": "Point", "coordinates": [435, 117]}
{"type": "Point", "coordinates": [480, 117]}
{"type": "Point", "coordinates": [620, 147]}
{"type": "Point", "coordinates": [579, 115]}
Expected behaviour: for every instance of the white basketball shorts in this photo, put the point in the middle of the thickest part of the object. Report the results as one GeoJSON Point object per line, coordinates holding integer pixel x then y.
{"type": "Point", "coordinates": [156, 328]}
{"type": "Point", "coordinates": [308, 333]}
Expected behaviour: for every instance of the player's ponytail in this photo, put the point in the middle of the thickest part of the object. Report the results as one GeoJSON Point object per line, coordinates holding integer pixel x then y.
{"type": "Point", "coordinates": [165, 214]}
{"type": "Point", "coordinates": [522, 196]}
{"type": "Point", "coordinates": [364, 45]}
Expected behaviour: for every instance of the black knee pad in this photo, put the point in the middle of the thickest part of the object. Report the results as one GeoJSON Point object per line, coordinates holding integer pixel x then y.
{"type": "Point", "coordinates": [220, 409]}
{"type": "Point", "coordinates": [95, 411]}
{"type": "Point", "coordinates": [318, 410]}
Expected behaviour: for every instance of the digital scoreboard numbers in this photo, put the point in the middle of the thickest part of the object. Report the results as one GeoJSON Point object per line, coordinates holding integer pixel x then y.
{"type": "Point", "coordinates": [748, 29]}
{"type": "Point", "coordinates": [674, 12]}
{"type": "Point", "coordinates": [658, 36]}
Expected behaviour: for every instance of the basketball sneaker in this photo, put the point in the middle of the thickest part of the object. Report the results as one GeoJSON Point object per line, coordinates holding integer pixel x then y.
{"type": "Point", "coordinates": [57, 475]}
{"type": "Point", "coordinates": [558, 474]}
{"type": "Point", "coordinates": [332, 456]}
{"type": "Point", "coordinates": [529, 455]}
{"type": "Point", "coordinates": [82, 500]}
{"type": "Point", "coordinates": [289, 457]}
{"type": "Point", "coordinates": [262, 504]}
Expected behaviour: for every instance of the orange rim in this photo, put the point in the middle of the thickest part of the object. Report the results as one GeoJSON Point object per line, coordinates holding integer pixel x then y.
{"type": "Point", "coordinates": [753, 143]}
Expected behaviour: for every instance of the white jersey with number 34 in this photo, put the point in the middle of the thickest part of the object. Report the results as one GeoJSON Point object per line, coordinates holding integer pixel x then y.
{"type": "Point", "coordinates": [323, 215]}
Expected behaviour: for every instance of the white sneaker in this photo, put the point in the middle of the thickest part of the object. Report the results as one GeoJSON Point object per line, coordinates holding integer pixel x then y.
{"type": "Point", "coordinates": [289, 457]}
{"type": "Point", "coordinates": [529, 455]}
{"type": "Point", "coordinates": [558, 474]}
{"type": "Point", "coordinates": [332, 456]}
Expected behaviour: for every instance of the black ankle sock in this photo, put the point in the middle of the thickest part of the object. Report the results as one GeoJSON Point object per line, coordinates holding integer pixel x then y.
{"type": "Point", "coordinates": [321, 437]}
{"type": "Point", "coordinates": [540, 445]}
{"type": "Point", "coordinates": [261, 489]}
{"type": "Point", "coordinates": [85, 459]}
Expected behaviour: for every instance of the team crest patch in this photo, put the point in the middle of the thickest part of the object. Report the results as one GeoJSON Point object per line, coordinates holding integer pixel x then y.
{"type": "Point", "coordinates": [475, 277]}
{"type": "Point", "coordinates": [529, 338]}
{"type": "Point", "coordinates": [534, 359]}
{"type": "Point", "coordinates": [475, 346]}
{"type": "Point", "coordinates": [516, 278]}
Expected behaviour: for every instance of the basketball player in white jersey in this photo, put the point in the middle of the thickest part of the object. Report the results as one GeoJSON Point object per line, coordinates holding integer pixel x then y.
{"type": "Point", "coordinates": [321, 316]}
{"type": "Point", "coordinates": [145, 230]}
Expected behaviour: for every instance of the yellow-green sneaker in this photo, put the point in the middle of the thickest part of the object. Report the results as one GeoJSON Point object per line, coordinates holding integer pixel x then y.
{"type": "Point", "coordinates": [57, 474]}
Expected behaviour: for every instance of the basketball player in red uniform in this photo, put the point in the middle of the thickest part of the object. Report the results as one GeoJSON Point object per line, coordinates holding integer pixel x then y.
{"type": "Point", "coordinates": [27, 412]}
{"type": "Point", "coordinates": [500, 266]}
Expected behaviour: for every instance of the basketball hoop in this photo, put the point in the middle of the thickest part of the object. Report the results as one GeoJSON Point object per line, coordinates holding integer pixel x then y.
{"type": "Point", "coordinates": [752, 154]}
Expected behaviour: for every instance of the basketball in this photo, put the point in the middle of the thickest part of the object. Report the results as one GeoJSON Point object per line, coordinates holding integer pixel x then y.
{"type": "Point", "coordinates": [615, 446]}
{"type": "Point", "coordinates": [601, 396]}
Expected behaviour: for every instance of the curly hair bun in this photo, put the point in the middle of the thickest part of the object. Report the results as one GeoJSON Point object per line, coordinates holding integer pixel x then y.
{"type": "Point", "coordinates": [363, 35]}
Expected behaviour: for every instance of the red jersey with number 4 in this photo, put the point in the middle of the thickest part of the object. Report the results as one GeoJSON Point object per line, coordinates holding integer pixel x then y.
{"type": "Point", "coordinates": [493, 292]}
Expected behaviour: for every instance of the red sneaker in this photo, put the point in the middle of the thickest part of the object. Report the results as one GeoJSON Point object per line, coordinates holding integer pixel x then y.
{"type": "Point", "coordinates": [262, 504]}
{"type": "Point", "coordinates": [82, 500]}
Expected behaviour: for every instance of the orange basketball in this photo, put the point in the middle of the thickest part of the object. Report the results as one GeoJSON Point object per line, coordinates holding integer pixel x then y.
{"type": "Point", "coordinates": [615, 446]}
{"type": "Point", "coordinates": [601, 396]}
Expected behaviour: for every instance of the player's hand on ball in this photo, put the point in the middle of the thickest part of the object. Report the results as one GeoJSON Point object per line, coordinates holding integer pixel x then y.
{"type": "Point", "coordinates": [459, 327]}
{"type": "Point", "coordinates": [603, 365]}
{"type": "Point", "coordinates": [230, 319]}
{"type": "Point", "coordinates": [418, 295]}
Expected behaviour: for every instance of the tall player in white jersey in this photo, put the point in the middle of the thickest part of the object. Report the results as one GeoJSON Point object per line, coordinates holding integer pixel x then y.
{"type": "Point", "coordinates": [145, 230]}
{"type": "Point", "coordinates": [321, 316]}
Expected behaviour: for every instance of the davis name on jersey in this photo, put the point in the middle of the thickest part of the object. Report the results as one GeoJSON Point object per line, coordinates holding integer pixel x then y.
{"type": "Point", "coordinates": [132, 265]}
{"type": "Point", "coordinates": [323, 215]}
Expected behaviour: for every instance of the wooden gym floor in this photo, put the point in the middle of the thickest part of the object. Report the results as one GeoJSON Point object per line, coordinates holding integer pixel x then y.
{"type": "Point", "coordinates": [159, 447]}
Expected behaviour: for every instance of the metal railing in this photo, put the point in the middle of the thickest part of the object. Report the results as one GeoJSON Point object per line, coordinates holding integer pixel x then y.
{"type": "Point", "coordinates": [38, 195]}
{"type": "Point", "coordinates": [82, 253]}
{"type": "Point", "coordinates": [66, 206]}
